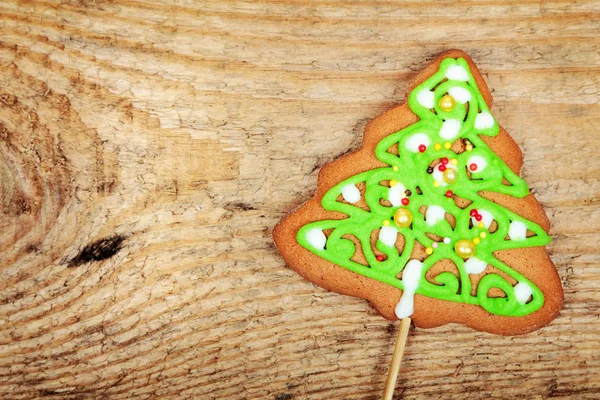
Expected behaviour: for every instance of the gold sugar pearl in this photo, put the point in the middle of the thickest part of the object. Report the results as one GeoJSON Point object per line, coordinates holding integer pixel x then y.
{"type": "Point", "coordinates": [403, 217]}
{"type": "Point", "coordinates": [464, 248]}
{"type": "Point", "coordinates": [450, 175]}
{"type": "Point", "coordinates": [447, 103]}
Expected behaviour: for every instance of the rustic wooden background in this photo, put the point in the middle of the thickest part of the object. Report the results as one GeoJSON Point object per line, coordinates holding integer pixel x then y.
{"type": "Point", "coordinates": [147, 148]}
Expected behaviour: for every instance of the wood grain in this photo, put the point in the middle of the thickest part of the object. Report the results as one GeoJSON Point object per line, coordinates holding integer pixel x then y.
{"type": "Point", "coordinates": [147, 148]}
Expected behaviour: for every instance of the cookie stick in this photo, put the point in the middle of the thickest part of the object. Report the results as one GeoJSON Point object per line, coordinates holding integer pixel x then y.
{"type": "Point", "coordinates": [404, 309]}
{"type": "Point", "coordinates": [396, 358]}
{"type": "Point", "coordinates": [431, 205]}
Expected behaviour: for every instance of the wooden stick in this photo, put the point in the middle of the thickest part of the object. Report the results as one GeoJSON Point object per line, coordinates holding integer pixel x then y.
{"type": "Point", "coordinates": [396, 359]}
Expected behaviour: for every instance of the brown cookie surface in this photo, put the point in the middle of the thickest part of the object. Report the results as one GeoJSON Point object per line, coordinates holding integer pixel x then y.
{"type": "Point", "coordinates": [532, 262]}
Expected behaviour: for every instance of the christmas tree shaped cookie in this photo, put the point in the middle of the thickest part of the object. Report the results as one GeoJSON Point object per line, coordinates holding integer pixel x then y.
{"type": "Point", "coordinates": [429, 218]}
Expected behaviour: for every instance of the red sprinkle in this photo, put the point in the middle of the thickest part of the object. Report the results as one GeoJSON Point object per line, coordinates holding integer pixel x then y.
{"type": "Point", "coordinates": [473, 213]}
{"type": "Point", "coordinates": [473, 167]}
{"type": "Point", "coordinates": [478, 217]}
{"type": "Point", "coordinates": [405, 201]}
{"type": "Point", "coordinates": [422, 148]}
{"type": "Point", "coordinates": [379, 257]}
{"type": "Point", "coordinates": [442, 167]}
{"type": "Point", "coordinates": [445, 160]}
{"type": "Point", "coordinates": [449, 193]}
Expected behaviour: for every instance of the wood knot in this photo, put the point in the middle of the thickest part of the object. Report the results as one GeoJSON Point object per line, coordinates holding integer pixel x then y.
{"type": "Point", "coordinates": [98, 251]}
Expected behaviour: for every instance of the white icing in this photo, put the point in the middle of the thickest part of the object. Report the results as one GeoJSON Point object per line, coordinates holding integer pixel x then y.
{"type": "Point", "coordinates": [475, 266]}
{"type": "Point", "coordinates": [447, 240]}
{"type": "Point", "coordinates": [486, 218]}
{"type": "Point", "coordinates": [425, 98]}
{"type": "Point", "coordinates": [477, 160]}
{"type": "Point", "coordinates": [517, 231]}
{"type": "Point", "coordinates": [416, 140]}
{"type": "Point", "coordinates": [457, 73]}
{"type": "Point", "coordinates": [434, 214]}
{"type": "Point", "coordinates": [388, 235]}
{"type": "Point", "coordinates": [316, 238]}
{"type": "Point", "coordinates": [484, 120]}
{"type": "Point", "coordinates": [450, 129]}
{"type": "Point", "coordinates": [410, 279]}
{"type": "Point", "coordinates": [522, 292]}
{"type": "Point", "coordinates": [396, 194]}
{"type": "Point", "coordinates": [350, 193]}
{"type": "Point", "coordinates": [460, 94]}
{"type": "Point", "coordinates": [439, 175]}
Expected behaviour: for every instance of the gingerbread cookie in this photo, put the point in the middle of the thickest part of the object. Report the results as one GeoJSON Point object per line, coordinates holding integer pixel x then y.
{"type": "Point", "coordinates": [429, 218]}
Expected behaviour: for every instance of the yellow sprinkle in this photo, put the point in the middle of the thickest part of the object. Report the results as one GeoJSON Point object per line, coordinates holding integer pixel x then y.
{"type": "Point", "coordinates": [454, 161]}
{"type": "Point", "coordinates": [447, 145]}
{"type": "Point", "coordinates": [476, 240]}
{"type": "Point", "coordinates": [392, 183]}
{"type": "Point", "coordinates": [437, 146]}
{"type": "Point", "coordinates": [469, 147]}
{"type": "Point", "coordinates": [483, 235]}
{"type": "Point", "coordinates": [395, 168]}
{"type": "Point", "coordinates": [481, 225]}
{"type": "Point", "coordinates": [436, 184]}
{"type": "Point", "coordinates": [429, 250]}
{"type": "Point", "coordinates": [386, 222]}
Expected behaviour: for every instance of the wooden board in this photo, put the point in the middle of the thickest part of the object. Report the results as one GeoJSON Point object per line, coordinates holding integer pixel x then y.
{"type": "Point", "coordinates": [147, 149]}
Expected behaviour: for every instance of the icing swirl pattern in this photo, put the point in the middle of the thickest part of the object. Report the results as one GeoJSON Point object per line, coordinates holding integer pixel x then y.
{"type": "Point", "coordinates": [413, 200]}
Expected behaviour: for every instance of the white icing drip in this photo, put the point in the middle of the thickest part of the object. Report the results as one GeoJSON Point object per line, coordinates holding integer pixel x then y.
{"type": "Point", "coordinates": [457, 73]}
{"type": "Point", "coordinates": [388, 235]}
{"type": "Point", "coordinates": [396, 194]}
{"type": "Point", "coordinates": [425, 98]}
{"type": "Point", "coordinates": [416, 140]}
{"type": "Point", "coordinates": [475, 266]}
{"type": "Point", "coordinates": [486, 218]}
{"type": "Point", "coordinates": [410, 279]}
{"type": "Point", "coordinates": [439, 175]}
{"type": "Point", "coordinates": [522, 292]}
{"type": "Point", "coordinates": [450, 129]}
{"type": "Point", "coordinates": [350, 193]}
{"type": "Point", "coordinates": [460, 94]}
{"type": "Point", "coordinates": [477, 160]}
{"type": "Point", "coordinates": [517, 231]}
{"type": "Point", "coordinates": [434, 214]}
{"type": "Point", "coordinates": [484, 120]}
{"type": "Point", "coordinates": [316, 238]}
{"type": "Point", "coordinates": [447, 240]}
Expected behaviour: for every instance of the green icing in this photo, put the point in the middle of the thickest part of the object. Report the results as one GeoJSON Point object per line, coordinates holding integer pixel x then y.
{"type": "Point", "coordinates": [409, 168]}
